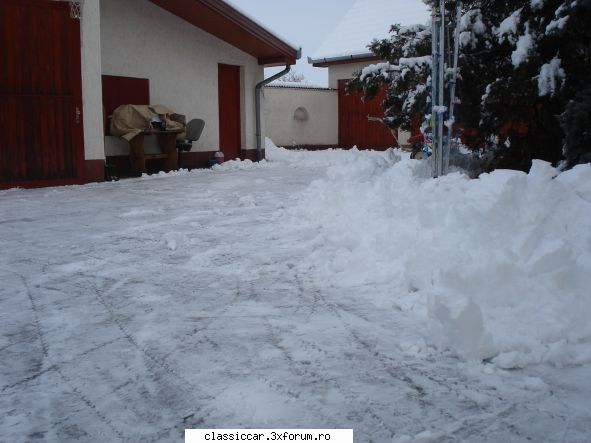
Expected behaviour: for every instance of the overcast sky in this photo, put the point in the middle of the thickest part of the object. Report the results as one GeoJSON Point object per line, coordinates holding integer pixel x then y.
{"type": "Point", "coordinates": [305, 23]}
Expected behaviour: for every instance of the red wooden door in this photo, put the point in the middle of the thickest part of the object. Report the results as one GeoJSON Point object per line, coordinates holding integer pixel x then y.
{"type": "Point", "coordinates": [119, 91]}
{"type": "Point", "coordinates": [229, 109]}
{"type": "Point", "coordinates": [41, 137]}
{"type": "Point", "coordinates": [354, 127]}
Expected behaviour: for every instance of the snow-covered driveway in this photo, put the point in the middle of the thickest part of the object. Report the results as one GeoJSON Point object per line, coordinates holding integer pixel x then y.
{"type": "Point", "coordinates": [133, 310]}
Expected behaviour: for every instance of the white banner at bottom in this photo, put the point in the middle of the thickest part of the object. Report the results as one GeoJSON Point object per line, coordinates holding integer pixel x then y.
{"type": "Point", "coordinates": [264, 435]}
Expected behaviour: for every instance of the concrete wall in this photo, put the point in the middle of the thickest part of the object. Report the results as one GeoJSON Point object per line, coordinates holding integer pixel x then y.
{"type": "Point", "coordinates": [320, 127]}
{"type": "Point", "coordinates": [139, 39]}
{"type": "Point", "coordinates": [92, 109]}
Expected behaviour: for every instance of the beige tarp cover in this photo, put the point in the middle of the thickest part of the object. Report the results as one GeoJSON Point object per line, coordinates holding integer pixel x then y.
{"type": "Point", "coordinates": [130, 120]}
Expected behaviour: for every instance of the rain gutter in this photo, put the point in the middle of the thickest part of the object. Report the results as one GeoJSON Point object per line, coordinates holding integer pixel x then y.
{"type": "Point", "coordinates": [340, 58]}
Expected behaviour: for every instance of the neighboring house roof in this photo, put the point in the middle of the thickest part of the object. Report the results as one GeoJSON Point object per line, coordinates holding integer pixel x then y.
{"type": "Point", "coordinates": [365, 21]}
{"type": "Point", "coordinates": [234, 27]}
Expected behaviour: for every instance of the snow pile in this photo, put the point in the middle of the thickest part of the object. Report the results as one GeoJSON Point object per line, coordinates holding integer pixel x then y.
{"type": "Point", "coordinates": [495, 268]}
{"type": "Point", "coordinates": [240, 165]}
{"type": "Point", "coordinates": [301, 159]}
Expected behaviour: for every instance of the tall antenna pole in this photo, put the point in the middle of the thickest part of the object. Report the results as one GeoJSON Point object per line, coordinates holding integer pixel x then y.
{"type": "Point", "coordinates": [434, 70]}
{"type": "Point", "coordinates": [441, 87]}
{"type": "Point", "coordinates": [438, 84]}
{"type": "Point", "coordinates": [452, 94]}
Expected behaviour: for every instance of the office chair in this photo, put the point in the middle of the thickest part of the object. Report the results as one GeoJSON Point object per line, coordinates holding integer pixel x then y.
{"type": "Point", "coordinates": [194, 130]}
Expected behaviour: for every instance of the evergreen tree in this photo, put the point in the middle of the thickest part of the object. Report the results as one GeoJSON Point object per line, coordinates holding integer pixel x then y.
{"type": "Point", "coordinates": [524, 65]}
{"type": "Point", "coordinates": [576, 123]}
{"type": "Point", "coordinates": [575, 41]}
{"type": "Point", "coordinates": [405, 74]}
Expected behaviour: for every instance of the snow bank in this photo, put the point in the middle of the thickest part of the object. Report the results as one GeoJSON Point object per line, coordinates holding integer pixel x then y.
{"type": "Point", "coordinates": [317, 159]}
{"type": "Point", "coordinates": [240, 165]}
{"type": "Point", "coordinates": [495, 268]}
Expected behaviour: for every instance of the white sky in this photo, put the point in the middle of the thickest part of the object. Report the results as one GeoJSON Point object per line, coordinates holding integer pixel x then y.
{"type": "Point", "coordinates": [302, 22]}
{"type": "Point", "coordinates": [306, 23]}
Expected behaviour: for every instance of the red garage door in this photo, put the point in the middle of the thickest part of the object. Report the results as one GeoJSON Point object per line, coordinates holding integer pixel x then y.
{"type": "Point", "coordinates": [41, 140]}
{"type": "Point", "coordinates": [354, 127]}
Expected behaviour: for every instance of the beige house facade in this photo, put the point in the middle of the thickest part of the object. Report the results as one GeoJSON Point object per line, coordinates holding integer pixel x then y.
{"type": "Point", "coordinates": [171, 52]}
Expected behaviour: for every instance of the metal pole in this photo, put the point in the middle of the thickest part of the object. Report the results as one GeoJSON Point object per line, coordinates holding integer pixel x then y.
{"type": "Point", "coordinates": [434, 95]}
{"type": "Point", "coordinates": [440, 90]}
{"type": "Point", "coordinates": [452, 93]}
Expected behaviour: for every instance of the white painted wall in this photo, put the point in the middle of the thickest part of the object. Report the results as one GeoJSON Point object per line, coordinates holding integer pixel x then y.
{"type": "Point", "coordinates": [139, 39]}
{"type": "Point", "coordinates": [92, 111]}
{"type": "Point", "coordinates": [344, 72]}
{"type": "Point", "coordinates": [321, 128]}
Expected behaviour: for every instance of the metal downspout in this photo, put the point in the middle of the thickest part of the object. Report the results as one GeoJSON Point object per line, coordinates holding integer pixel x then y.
{"type": "Point", "coordinates": [258, 91]}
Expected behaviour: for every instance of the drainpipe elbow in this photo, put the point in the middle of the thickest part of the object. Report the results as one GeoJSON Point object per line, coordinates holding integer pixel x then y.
{"type": "Point", "coordinates": [257, 95]}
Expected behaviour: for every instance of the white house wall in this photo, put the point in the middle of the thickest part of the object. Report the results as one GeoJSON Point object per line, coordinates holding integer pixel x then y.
{"type": "Point", "coordinates": [92, 111]}
{"type": "Point", "coordinates": [343, 72]}
{"type": "Point", "coordinates": [139, 39]}
{"type": "Point", "coordinates": [321, 127]}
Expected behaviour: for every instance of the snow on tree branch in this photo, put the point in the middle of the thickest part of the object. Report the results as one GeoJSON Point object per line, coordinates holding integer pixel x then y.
{"type": "Point", "coordinates": [551, 77]}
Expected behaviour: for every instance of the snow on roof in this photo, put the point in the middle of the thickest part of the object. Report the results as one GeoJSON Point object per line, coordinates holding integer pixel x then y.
{"type": "Point", "coordinates": [296, 85]}
{"type": "Point", "coordinates": [262, 25]}
{"type": "Point", "coordinates": [367, 20]}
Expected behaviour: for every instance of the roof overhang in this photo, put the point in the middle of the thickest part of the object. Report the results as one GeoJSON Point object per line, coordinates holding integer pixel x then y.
{"type": "Point", "coordinates": [230, 25]}
{"type": "Point", "coordinates": [343, 60]}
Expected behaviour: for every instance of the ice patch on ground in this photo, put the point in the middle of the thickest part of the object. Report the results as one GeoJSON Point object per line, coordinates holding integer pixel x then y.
{"type": "Point", "coordinates": [494, 268]}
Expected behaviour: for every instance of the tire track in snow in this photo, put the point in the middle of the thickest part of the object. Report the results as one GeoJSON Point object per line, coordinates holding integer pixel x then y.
{"type": "Point", "coordinates": [149, 355]}
{"type": "Point", "coordinates": [152, 363]}
{"type": "Point", "coordinates": [280, 388]}
{"type": "Point", "coordinates": [67, 380]}
{"type": "Point", "coordinates": [60, 364]}
{"type": "Point", "coordinates": [301, 291]}
{"type": "Point", "coordinates": [303, 372]}
{"type": "Point", "coordinates": [350, 397]}
{"type": "Point", "coordinates": [397, 370]}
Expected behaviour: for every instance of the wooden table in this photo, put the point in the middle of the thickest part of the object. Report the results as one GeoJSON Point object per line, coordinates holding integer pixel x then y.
{"type": "Point", "coordinates": [167, 144]}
